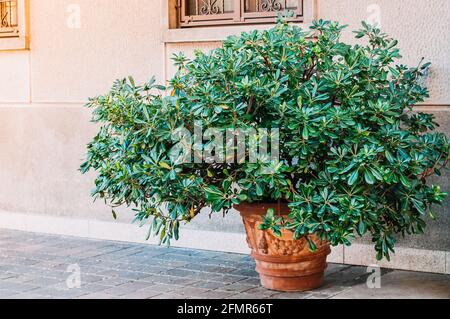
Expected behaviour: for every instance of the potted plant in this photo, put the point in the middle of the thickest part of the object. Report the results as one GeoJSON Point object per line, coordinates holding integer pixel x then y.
{"type": "Point", "coordinates": [347, 154]}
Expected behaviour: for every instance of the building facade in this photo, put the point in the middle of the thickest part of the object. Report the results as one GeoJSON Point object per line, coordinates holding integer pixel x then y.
{"type": "Point", "coordinates": [54, 54]}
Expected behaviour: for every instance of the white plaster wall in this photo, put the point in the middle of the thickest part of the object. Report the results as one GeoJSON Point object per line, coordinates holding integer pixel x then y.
{"type": "Point", "coordinates": [14, 77]}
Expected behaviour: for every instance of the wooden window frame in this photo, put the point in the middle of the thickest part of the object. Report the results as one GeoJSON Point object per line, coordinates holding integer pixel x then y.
{"type": "Point", "coordinates": [237, 17]}
{"type": "Point", "coordinates": [16, 37]}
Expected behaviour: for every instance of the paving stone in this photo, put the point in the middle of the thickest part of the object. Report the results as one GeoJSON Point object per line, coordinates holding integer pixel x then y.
{"type": "Point", "coordinates": [319, 296]}
{"type": "Point", "coordinates": [19, 278]}
{"type": "Point", "coordinates": [232, 278]}
{"type": "Point", "coordinates": [138, 255]}
{"type": "Point", "coordinates": [226, 263]}
{"type": "Point", "coordinates": [290, 295]}
{"type": "Point", "coordinates": [238, 287]}
{"type": "Point", "coordinates": [87, 278]}
{"type": "Point", "coordinates": [181, 251]}
{"type": "Point", "coordinates": [210, 268]}
{"type": "Point", "coordinates": [124, 274]}
{"type": "Point", "coordinates": [44, 281]}
{"type": "Point", "coordinates": [94, 270]}
{"type": "Point", "coordinates": [169, 263]}
{"type": "Point", "coordinates": [59, 293]}
{"type": "Point", "coordinates": [346, 277]}
{"type": "Point", "coordinates": [62, 276]}
{"type": "Point", "coordinates": [403, 284]}
{"type": "Point", "coordinates": [16, 287]}
{"type": "Point", "coordinates": [332, 268]}
{"type": "Point", "coordinates": [251, 281]}
{"type": "Point", "coordinates": [147, 269]}
{"type": "Point", "coordinates": [127, 288]}
{"type": "Point", "coordinates": [215, 294]}
{"type": "Point", "coordinates": [181, 281]}
{"type": "Point", "coordinates": [34, 266]}
{"type": "Point", "coordinates": [97, 295]}
{"type": "Point", "coordinates": [6, 293]}
{"type": "Point", "coordinates": [241, 296]}
{"type": "Point", "coordinates": [135, 285]}
{"type": "Point", "coordinates": [208, 254]}
{"type": "Point", "coordinates": [208, 284]}
{"type": "Point", "coordinates": [94, 288]}
{"type": "Point", "coordinates": [141, 294]}
{"type": "Point", "coordinates": [48, 264]}
{"type": "Point", "coordinates": [182, 273]}
{"type": "Point", "coordinates": [28, 261]}
{"type": "Point", "coordinates": [245, 272]}
{"type": "Point", "coordinates": [27, 295]}
{"type": "Point", "coordinates": [260, 292]}
{"type": "Point", "coordinates": [176, 257]}
{"type": "Point", "coordinates": [169, 296]}
{"type": "Point", "coordinates": [165, 288]}
{"type": "Point", "coordinates": [113, 281]}
{"type": "Point", "coordinates": [191, 291]}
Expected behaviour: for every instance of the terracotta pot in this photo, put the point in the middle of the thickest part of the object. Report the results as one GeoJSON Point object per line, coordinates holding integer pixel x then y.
{"type": "Point", "coordinates": [284, 264]}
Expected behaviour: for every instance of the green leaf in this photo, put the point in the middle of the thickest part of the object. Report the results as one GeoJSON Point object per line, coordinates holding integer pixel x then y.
{"type": "Point", "coordinates": [353, 178]}
{"type": "Point", "coordinates": [176, 230]}
{"type": "Point", "coordinates": [405, 181]}
{"type": "Point", "coordinates": [311, 244]}
{"type": "Point", "coordinates": [270, 213]}
{"type": "Point", "coordinates": [242, 197]}
{"type": "Point", "coordinates": [348, 168]}
{"type": "Point", "coordinates": [259, 190]}
{"type": "Point", "coordinates": [419, 206]}
{"type": "Point", "coordinates": [146, 158]}
{"type": "Point", "coordinates": [305, 133]}
{"type": "Point", "coordinates": [164, 165]}
{"type": "Point", "coordinates": [390, 157]}
{"type": "Point", "coordinates": [432, 215]}
{"type": "Point", "coordinates": [276, 231]}
{"type": "Point", "coordinates": [370, 179]}
{"type": "Point", "coordinates": [213, 190]}
{"type": "Point", "coordinates": [361, 228]}
{"type": "Point", "coordinates": [377, 174]}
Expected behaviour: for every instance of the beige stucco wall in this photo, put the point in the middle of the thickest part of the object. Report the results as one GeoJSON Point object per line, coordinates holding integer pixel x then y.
{"type": "Point", "coordinates": [422, 28]}
{"type": "Point", "coordinates": [116, 38]}
{"type": "Point", "coordinates": [15, 77]}
{"type": "Point", "coordinates": [42, 146]}
{"type": "Point", "coordinates": [44, 126]}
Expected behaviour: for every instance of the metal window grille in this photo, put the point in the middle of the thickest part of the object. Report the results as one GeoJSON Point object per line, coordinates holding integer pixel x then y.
{"type": "Point", "coordinates": [8, 18]}
{"type": "Point", "coordinates": [224, 12]}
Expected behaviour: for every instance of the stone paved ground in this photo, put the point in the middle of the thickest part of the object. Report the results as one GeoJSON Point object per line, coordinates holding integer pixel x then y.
{"type": "Point", "coordinates": [36, 266]}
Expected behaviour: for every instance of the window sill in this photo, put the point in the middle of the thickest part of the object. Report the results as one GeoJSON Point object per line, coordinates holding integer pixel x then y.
{"type": "Point", "coordinates": [212, 34]}
{"type": "Point", "coordinates": [16, 43]}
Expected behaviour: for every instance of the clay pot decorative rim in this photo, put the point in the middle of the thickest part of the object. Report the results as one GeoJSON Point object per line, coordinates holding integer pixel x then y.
{"type": "Point", "coordinates": [247, 208]}
{"type": "Point", "coordinates": [324, 251]}
{"type": "Point", "coordinates": [256, 210]}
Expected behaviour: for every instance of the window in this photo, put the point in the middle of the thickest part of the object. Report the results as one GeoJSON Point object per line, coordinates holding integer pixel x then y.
{"type": "Point", "coordinates": [8, 18]}
{"type": "Point", "coordinates": [14, 24]}
{"type": "Point", "coordinates": [224, 12]}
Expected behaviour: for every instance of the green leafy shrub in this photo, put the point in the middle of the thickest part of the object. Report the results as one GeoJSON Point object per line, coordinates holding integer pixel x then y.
{"type": "Point", "coordinates": [354, 158]}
